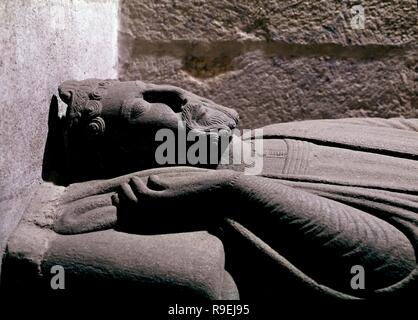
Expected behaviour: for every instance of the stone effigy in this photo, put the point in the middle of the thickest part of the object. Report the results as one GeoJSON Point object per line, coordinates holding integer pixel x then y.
{"type": "Point", "coordinates": [332, 195]}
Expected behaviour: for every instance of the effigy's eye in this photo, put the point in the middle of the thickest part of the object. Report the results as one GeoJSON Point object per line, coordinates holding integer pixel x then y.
{"type": "Point", "coordinates": [137, 110]}
{"type": "Point", "coordinates": [133, 109]}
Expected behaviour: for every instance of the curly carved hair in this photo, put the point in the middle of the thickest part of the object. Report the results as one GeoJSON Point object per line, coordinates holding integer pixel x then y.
{"type": "Point", "coordinates": [83, 100]}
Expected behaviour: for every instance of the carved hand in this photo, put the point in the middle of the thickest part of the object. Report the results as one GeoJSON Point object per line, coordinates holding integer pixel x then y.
{"type": "Point", "coordinates": [180, 201]}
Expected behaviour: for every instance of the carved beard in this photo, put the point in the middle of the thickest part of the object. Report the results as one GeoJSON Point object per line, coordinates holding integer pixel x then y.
{"type": "Point", "coordinates": [199, 117]}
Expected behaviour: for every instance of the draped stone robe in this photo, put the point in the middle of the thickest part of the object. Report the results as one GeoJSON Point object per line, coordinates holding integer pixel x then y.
{"type": "Point", "coordinates": [332, 195]}
{"type": "Point", "coordinates": [368, 165]}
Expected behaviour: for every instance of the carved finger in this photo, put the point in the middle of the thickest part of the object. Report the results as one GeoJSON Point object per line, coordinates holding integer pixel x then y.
{"type": "Point", "coordinates": [140, 189]}
{"type": "Point", "coordinates": [156, 183]}
{"type": "Point", "coordinates": [127, 193]}
{"type": "Point", "coordinates": [115, 199]}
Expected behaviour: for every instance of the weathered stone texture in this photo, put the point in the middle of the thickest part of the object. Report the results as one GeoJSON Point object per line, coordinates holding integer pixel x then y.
{"type": "Point", "coordinates": [265, 90]}
{"type": "Point", "coordinates": [277, 60]}
{"type": "Point", "coordinates": [295, 21]}
{"type": "Point", "coordinates": [43, 43]}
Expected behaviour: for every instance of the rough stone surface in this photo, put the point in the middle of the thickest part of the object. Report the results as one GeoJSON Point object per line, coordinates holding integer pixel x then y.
{"type": "Point", "coordinates": [293, 21]}
{"type": "Point", "coordinates": [43, 43]}
{"type": "Point", "coordinates": [277, 61]}
{"type": "Point", "coordinates": [192, 262]}
{"type": "Point", "coordinates": [185, 264]}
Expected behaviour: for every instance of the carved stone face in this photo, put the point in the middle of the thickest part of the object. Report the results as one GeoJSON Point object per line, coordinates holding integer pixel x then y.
{"type": "Point", "coordinates": [117, 121]}
{"type": "Point", "coordinates": [139, 103]}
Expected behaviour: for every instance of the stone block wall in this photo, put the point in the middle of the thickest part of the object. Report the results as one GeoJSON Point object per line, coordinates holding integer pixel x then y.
{"type": "Point", "coordinates": [43, 43]}
{"type": "Point", "coordinates": [278, 60]}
